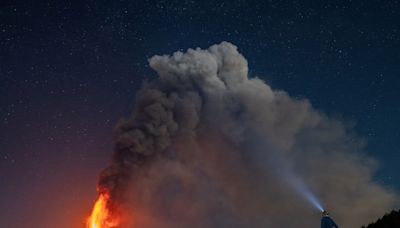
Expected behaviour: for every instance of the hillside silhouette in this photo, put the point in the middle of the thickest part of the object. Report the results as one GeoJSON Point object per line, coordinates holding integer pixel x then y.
{"type": "Point", "coordinates": [391, 220]}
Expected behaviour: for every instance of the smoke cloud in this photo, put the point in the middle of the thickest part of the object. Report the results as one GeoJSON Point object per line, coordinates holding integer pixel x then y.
{"type": "Point", "coordinates": [207, 146]}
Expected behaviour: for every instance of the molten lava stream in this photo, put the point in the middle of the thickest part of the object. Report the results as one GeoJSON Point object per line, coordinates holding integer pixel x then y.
{"type": "Point", "coordinates": [101, 216]}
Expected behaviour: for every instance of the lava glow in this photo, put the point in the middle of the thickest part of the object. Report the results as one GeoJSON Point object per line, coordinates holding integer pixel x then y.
{"type": "Point", "coordinates": [101, 216]}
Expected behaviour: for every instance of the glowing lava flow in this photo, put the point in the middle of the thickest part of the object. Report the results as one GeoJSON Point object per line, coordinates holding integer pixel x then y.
{"type": "Point", "coordinates": [101, 216]}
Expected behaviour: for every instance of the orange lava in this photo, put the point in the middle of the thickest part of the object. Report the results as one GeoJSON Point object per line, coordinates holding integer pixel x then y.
{"type": "Point", "coordinates": [101, 216]}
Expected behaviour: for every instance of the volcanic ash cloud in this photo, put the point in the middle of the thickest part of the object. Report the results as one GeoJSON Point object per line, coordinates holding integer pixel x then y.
{"type": "Point", "coordinates": [207, 146]}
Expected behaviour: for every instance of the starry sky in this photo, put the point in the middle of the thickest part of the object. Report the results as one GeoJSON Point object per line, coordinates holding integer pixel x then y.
{"type": "Point", "coordinates": [70, 69]}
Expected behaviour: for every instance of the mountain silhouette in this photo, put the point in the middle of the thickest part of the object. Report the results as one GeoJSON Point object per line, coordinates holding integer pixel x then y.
{"type": "Point", "coordinates": [391, 220]}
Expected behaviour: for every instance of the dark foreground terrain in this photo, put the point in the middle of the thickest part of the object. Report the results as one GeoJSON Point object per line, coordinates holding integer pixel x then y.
{"type": "Point", "coordinates": [391, 220]}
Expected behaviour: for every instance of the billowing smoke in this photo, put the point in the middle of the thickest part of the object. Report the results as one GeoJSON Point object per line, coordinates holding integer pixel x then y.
{"type": "Point", "coordinates": [207, 146]}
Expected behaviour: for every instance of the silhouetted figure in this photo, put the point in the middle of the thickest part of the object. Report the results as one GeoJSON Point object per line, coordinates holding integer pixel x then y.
{"type": "Point", "coordinates": [327, 222]}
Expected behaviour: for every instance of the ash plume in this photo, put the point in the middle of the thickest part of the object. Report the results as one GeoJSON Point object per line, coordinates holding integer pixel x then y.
{"type": "Point", "coordinates": [208, 146]}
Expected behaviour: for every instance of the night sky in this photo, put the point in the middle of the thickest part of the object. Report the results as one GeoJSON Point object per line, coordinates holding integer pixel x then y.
{"type": "Point", "coordinates": [70, 70]}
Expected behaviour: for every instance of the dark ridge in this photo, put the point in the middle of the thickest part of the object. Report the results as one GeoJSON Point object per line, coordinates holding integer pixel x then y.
{"type": "Point", "coordinates": [391, 220]}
